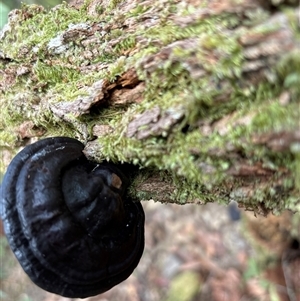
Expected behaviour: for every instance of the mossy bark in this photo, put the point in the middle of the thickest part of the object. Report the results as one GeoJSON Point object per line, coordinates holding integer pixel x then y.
{"type": "Point", "coordinates": [202, 96]}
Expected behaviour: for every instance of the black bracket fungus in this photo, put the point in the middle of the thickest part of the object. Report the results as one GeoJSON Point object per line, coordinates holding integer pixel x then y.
{"type": "Point", "coordinates": [68, 220]}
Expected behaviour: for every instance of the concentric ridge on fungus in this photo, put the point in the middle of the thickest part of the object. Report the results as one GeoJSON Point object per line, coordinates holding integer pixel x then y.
{"type": "Point", "coordinates": [67, 219]}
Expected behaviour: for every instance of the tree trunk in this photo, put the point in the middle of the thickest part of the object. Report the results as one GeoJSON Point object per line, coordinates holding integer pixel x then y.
{"type": "Point", "coordinates": [202, 96]}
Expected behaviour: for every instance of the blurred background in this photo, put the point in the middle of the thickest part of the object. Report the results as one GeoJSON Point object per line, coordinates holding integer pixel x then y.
{"type": "Point", "coordinates": [192, 252]}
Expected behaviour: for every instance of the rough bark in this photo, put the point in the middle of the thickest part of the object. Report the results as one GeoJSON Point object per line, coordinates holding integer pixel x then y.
{"type": "Point", "coordinates": [202, 96]}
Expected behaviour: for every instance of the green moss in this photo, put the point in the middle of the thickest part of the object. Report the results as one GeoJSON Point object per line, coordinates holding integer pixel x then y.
{"type": "Point", "coordinates": [255, 16]}
{"type": "Point", "coordinates": [113, 4]}
{"type": "Point", "coordinates": [289, 73]}
{"type": "Point", "coordinates": [274, 116]}
{"type": "Point", "coordinates": [55, 73]}
{"type": "Point", "coordinates": [31, 40]}
{"type": "Point", "coordinates": [293, 18]}
{"type": "Point", "coordinates": [171, 32]}
{"type": "Point", "coordinates": [127, 43]}
{"type": "Point", "coordinates": [6, 139]}
{"type": "Point", "coordinates": [137, 11]}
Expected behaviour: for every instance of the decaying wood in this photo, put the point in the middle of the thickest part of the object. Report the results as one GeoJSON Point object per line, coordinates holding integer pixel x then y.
{"type": "Point", "coordinates": [257, 167]}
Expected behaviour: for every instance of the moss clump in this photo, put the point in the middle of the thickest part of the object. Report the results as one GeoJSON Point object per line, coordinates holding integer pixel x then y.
{"type": "Point", "coordinates": [31, 40]}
